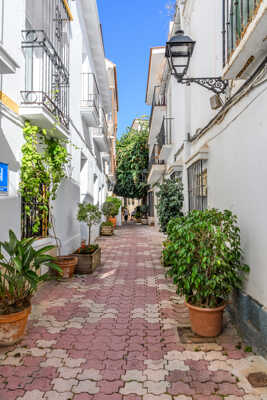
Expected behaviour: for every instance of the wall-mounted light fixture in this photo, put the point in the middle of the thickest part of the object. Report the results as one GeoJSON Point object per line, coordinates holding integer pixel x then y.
{"type": "Point", "coordinates": [179, 50]}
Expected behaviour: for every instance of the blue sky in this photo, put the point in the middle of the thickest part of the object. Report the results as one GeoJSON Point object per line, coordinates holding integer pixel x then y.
{"type": "Point", "coordinates": [130, 28]}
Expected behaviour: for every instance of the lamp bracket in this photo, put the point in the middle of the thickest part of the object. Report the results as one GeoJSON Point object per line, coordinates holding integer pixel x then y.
{"type": "Point", "coordinates": [216, 85]}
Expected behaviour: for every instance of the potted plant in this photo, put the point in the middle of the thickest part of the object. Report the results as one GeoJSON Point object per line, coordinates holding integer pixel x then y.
{"type": "Point", "coordinates": [117, 204]}
{"type": "Point", "coordinates": [19, 279]}
{"type": "Point", "coordinates": [107, 227]}
{"type": "Point", "coordinates": [170, 201]}
{"type": "Point", "coordinates": [144, 212]}
{"type": "Point", "coordinates": [138, 214]}
{"type": "Point", "coordinates": [89, 257]}
{"type": "Point", "coordinates": [204, 252]}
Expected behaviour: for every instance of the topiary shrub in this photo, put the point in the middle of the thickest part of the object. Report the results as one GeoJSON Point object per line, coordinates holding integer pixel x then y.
{"type": "Point", "coordinates": [203, 249]}
{"type": "Point", "coordinates": [170, 201]}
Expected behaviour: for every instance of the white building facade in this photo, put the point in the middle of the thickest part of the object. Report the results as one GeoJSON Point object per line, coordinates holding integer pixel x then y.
{"type": "Point", "coordinates": [217, 143]}
{"type": "Point", "coordinates": [55, 75]}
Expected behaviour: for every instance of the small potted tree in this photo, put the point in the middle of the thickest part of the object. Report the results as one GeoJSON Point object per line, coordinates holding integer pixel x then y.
{"type": "Point", "coordinates": [89, 257]}
{"type": "Point", "coordinates": [204, 254]}
{"type": "Point", "coordinates": [20, 276]}
{"type": "Point", "coordinates": [138, 215]}
{"type": "Point", "coordinates": [144, 212]}
{"type": "Point", "coordinates": [107, 227]}
{"type": "Point", "coordinates": [117, 204]}
{"type": "Point", "coordinates": [170, 201]}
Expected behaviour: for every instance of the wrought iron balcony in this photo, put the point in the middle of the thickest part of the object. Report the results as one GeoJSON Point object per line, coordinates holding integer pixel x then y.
{"type": "Point", "coordinates": [103, 122]}
{"type": "Point", "coordinates": [154, 157]}
{"type": "Point", "coordinates": [159, 100]}
{"type": "Point", "coordinates": [90, 99]}
{"type": "Point", "coordinates": [165, 135]}
{"type": "Point", "coordinates": [243, 20]}
{"type": "Point", "coordinates": [47, 75]}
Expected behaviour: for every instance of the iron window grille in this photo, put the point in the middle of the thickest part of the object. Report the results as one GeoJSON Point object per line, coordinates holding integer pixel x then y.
{"type": "Point", "coordinates": [237, 15]}
{"type": "Point", "coordinates": [45, 43]}
{"type": "Point", "coordinates": [28, 219]}
{"type": "Point", "coordinates": [197, 186]}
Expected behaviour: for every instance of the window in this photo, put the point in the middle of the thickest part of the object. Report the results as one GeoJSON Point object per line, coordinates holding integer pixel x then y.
{"type": "Point", "coordinates": [197, 186]}
{"type": "Point", "coordinates": [28, 221]}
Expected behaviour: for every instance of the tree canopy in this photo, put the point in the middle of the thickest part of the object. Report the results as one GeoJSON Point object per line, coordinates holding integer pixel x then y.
{"type": "Point", "coordinates": [132, 161]}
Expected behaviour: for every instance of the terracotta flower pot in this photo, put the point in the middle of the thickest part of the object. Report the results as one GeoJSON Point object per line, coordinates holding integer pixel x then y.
{"type": "Point", "coordinates": [87, 263]}
{"type": "Point", "coordinates": [206, 322]}
{"type": "Point", "coordinates": [113, 221]}
{"type": "Point", "coordinates": [67, 265]}
{"type": "Point", "coordinates": [12, 327]}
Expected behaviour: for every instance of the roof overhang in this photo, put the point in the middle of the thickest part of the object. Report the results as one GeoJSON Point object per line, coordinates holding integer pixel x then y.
{"type": "Point", "coordinates": [157, 63]}
{"type": "Point", "coordinates": [88, 14]}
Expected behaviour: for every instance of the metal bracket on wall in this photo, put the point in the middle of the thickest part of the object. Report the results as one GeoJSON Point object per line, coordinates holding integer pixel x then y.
{"type": "Point", "coordinates": [216, 85]}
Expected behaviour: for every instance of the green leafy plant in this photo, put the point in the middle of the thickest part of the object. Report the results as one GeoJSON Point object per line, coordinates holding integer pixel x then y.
{"type": "Point", "coordinates": [109, 209]}
{"type": "Point", "coordinates": [144, 210]}
{"type": "Point", "coordinates": [43, 167]}
{"type": "Point", "coordinates": [20, 272]}
{"type": "Point", "coordinates": [132, 160]}
{"type": "Point", "coordinates": [107, 223]}
{"type": "Point", "coordinates": [203, 249]}
{"type": "Point", "coordinates": [117, 204]}
{"type": "Point", "coordinates": [89, 214]}
{"type": "Point", "coordinates": [87, 249]}
{"type": "Point", "coordinates": [170, 201]}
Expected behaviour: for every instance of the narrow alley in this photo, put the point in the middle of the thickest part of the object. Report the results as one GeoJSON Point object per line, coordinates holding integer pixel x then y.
{"type": "Point", "coordinates": [113, 335]}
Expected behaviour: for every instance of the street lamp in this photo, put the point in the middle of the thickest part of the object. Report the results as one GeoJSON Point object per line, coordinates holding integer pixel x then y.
{"type": "Point", "coordinates": [179, 50]}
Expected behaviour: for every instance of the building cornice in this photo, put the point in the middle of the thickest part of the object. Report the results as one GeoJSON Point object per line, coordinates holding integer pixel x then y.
{"type": "Point", "coordinates": [66, 4]}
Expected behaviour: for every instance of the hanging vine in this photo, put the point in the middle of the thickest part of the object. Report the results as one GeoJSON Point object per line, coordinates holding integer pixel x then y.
{"type": "Point", "coordinates": [43, 167]}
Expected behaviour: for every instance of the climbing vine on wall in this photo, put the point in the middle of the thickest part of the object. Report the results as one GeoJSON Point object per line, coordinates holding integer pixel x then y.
{"type": "Point", "coordinates": [44, 162]}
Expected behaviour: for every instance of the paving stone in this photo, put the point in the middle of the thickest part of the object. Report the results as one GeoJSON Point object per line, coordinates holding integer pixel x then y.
{"type": "Point", "coordinates": [63, 385]}
{"type": "Point", "coordinates": [133, 388]}
{"type": "Point", "coordinates": [86, 387]}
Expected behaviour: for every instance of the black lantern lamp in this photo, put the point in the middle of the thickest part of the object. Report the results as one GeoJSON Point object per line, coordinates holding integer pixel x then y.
{"type": "Point", "coordinates": [179, 50]}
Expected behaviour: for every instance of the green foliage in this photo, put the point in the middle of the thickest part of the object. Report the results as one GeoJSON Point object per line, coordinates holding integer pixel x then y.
{"type": "Point", "coordinates": [44, 161]}
{"type": "Point", "coordinates": [20, 272]}
{"type": "Point", "coordinates": [144, 210]}
{"type": "Point", "coordinates": [203, 249]}
{"type": "Point", "coordinates": [109, 209]}
{"type": "Point", "coordinates": [132, 160]}
{"type": "Point", "coordinates": [107, 223]}
{"type": "Point", "coordinates": [170, 201]}
{"type": "Point", "coordinates": [117, 204]}
{"type": "Point", "coordinates": [89, 214]}
{"type": "Point", "coordinates": [87, 249]}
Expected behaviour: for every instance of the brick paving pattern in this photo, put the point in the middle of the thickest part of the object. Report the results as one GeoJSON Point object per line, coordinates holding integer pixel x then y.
{"type": "Point", "coordinates": [113, 335]}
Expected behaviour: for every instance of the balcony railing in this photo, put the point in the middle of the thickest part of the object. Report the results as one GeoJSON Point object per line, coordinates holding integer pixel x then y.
{"type": "Point", "coordinates": [159, 100]}
{"type": "Point", "coordinates": [237, 15]}
{"type": "Point", "coordinates": [46, 75]}
{"type": "Point", "coordinates": [154, 157]}
{"type": "Point", "coordinates": [90, 92]}
{"type": "Point", "coordinates": [103, 121]}
{"type": "Point", "coordinates": [165, 134]}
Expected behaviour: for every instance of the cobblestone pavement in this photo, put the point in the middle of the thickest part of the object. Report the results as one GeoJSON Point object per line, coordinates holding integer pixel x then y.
{"type": "Point", "coordinates": [113, 335]}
